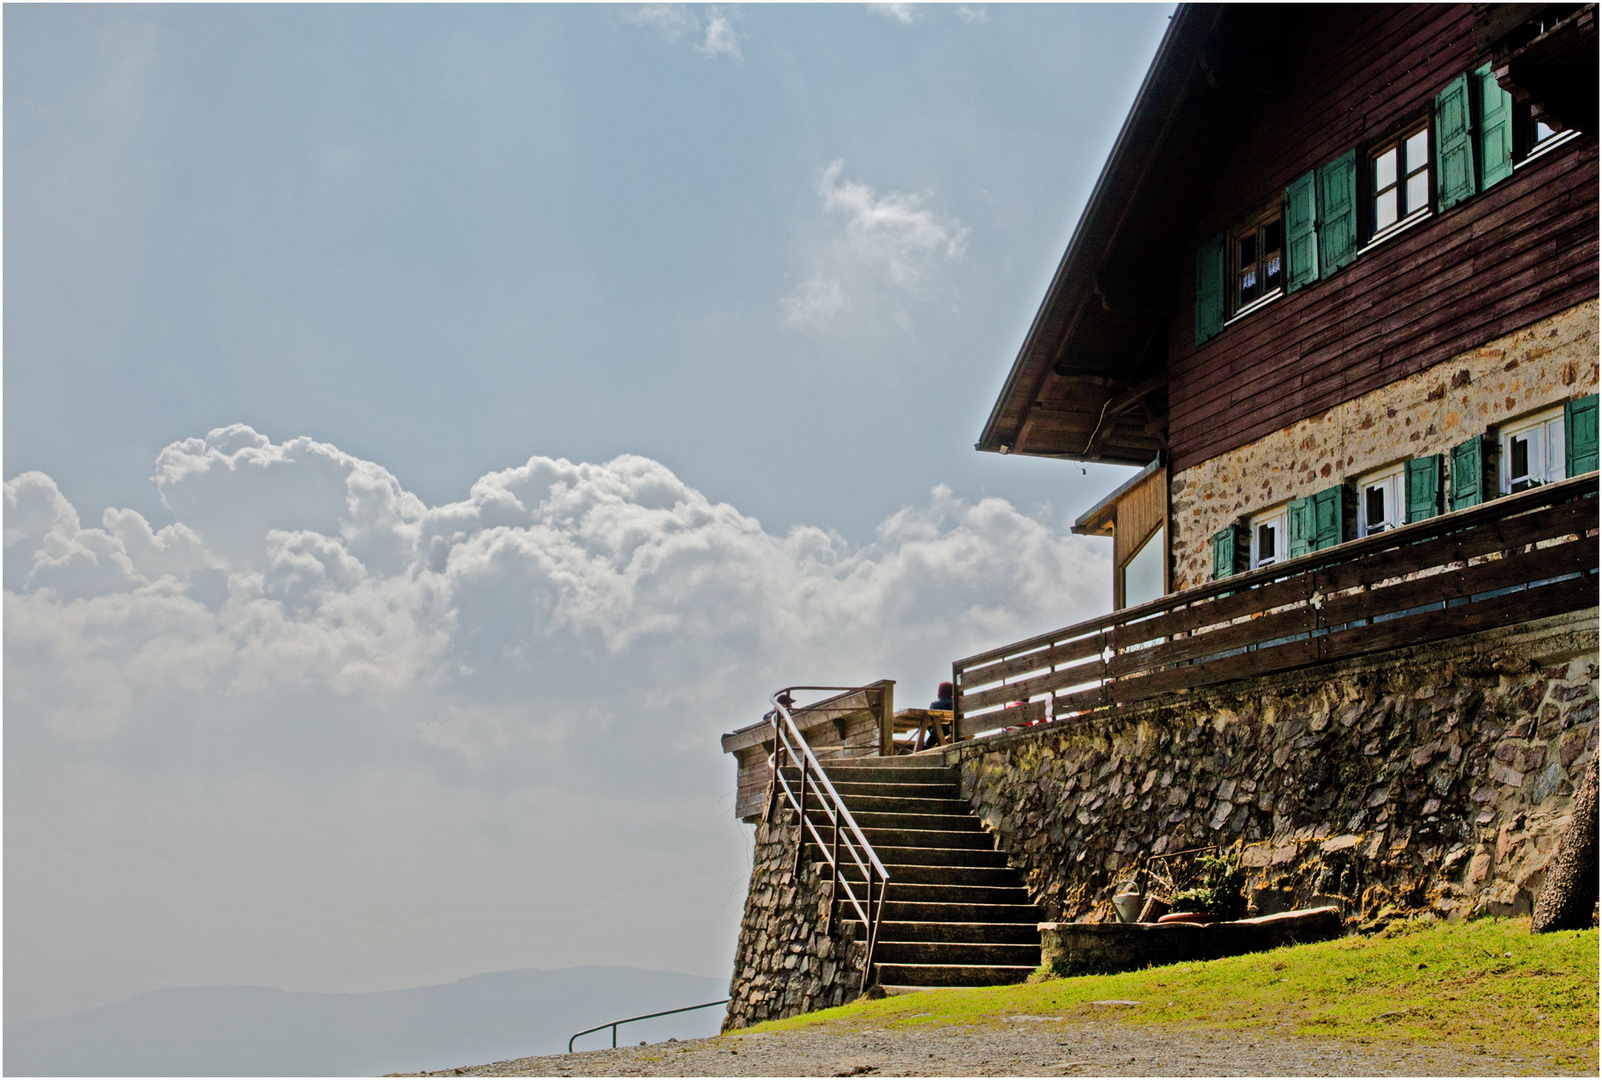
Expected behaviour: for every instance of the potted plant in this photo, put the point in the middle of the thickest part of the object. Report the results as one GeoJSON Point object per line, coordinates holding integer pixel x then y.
{"type": "Point", "coordinates": [1217, 894]}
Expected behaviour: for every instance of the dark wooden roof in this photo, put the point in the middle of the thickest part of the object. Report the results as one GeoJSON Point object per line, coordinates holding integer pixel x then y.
{"type": "Point", "coordinates": [1090, 381]}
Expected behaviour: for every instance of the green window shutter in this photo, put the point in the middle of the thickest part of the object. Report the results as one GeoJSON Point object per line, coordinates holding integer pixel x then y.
{"type": "Point", "coordinates": [1301, 231]}
{"type": "Point", "coordinates": [1468, 473]}
{"type": "Point", "coordinates": [1423, 488]}
{"type": "Point", "coordinates": [1224, 553]}
{"type": "Point", "coordinates": [1579, 435]}
{"type": "Point", "coordinates": [1454, 146]}
{"type": "Point", "coordinates": [1496, 129]}
{"type": "Point", "coordinates": [1329, 517]}
{"type": "Point", "coordinates": [1301, 527]}
{"type": "Point", "coordinates": [1210, 275]}
{"type": "Point", "coordinates": [1337, 213]}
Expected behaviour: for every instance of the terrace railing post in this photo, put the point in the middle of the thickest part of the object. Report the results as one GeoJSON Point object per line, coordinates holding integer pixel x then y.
{"type": "Point", "coordinates": [773, 769]}
{"type": "Point", "coordinates": [956, 701]}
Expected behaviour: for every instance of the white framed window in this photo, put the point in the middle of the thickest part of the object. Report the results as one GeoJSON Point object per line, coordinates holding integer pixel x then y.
{"type": "Point", "coordinates": [1271, 536]}
{"type": "Point", "coordinates": [1532, 451]}
{"type": "Point", "coordinates": [1399, 180]}
{"type": "Point", "coordinates": [1382, 500]}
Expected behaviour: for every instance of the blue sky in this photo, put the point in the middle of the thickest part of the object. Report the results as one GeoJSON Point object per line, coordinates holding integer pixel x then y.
{"type": "Point", "coordinates": [573, 375]}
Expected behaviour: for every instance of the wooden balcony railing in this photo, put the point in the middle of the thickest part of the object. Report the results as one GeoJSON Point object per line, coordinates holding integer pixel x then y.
{"type": "Point", "coordinates": [1522, 557]}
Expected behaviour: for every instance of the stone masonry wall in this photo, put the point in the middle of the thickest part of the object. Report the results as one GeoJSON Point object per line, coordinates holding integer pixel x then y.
{"type": "Point", "coordinates": [785, 963]}
{"type": "Point", "coordinates": [1440, 784]}
{"type": "Point", "coordinates": [1427, 413]}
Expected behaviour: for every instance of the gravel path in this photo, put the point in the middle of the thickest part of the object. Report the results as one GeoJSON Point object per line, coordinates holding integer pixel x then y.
{"type": "Point", "coordinates": [1017, 1046]}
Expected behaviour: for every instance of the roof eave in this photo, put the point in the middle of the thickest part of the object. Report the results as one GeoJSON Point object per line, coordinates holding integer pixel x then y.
{"type": "Point", "coordinates": [1134, 150]}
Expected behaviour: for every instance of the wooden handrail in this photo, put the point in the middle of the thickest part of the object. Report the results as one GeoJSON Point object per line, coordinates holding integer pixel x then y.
{"type": "Point", "coordinates": [788, 742]}
{"type": "Point", "coordinates": [1501, 562]}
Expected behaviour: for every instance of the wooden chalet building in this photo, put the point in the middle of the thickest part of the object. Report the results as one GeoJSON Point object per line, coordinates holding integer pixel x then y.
{"type": "Point", "coordinates": [1335, 296]}
{"type": "Point", "coordinates": [1338, 275]}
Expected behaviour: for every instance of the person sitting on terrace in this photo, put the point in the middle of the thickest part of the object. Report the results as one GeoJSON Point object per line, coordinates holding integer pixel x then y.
{"type": "Point", "coordinates": [943, 701]}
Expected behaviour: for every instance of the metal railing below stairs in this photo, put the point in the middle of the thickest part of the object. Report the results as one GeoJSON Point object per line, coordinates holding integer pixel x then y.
{"type": "Point", "coordinates": [788, 743]}
{"type": "Point", "coordinates": [629, 1020]}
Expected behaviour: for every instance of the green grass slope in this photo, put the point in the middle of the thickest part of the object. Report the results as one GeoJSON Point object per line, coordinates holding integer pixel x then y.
{"type": "Point", "coordinates": [1487, 983]}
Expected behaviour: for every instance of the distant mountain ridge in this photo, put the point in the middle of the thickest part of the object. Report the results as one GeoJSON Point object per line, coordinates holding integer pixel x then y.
{"type": "Point", "coordinates": [258, 1031]}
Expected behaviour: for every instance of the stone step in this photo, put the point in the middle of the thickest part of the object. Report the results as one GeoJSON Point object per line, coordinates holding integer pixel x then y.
{"type": "Point", "coordinates": [928, 838]}
{"type": "Point", "coordinates": [867, 774]}
{"type": "Point", "coordinates": [901, 804]}
{"type": "Point", "coordinates": [953, 974]}
{"type": "Point", "coordinates": [964, 954]}
{"type": "Point", "coordinates": [875, 819]}
{"type": "Point", "coordinates": [937, 911]}
{"type": "Point", "coordinates": [924, 856]}
{"type": "Point", "coordinates": [848, 788]}
{"type": "Point", "coordinates": [944, 840]}
{"type": "Point", "coordinates": [977, 933]}
{"type": "Point", "coordinates": [945, 893]}
{"type": "Point", "coordinates": [905, 873]}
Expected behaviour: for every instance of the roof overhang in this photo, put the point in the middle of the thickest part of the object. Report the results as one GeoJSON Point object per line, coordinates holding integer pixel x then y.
{"type": "Point", "coordinates": [1090, 382]}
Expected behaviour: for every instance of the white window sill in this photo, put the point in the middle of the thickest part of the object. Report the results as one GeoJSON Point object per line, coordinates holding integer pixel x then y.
{"type": "Point", "coordinates": [1546, 148]}
{"type": "Point", "coordinates": [1395, 227]}
{"type": "Point", "coordinates": [1260, 302]}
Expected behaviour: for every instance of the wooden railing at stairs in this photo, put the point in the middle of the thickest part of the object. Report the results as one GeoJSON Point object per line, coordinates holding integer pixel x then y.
{"type": "Point", "coordinates": [1517, 558]}
{"type": "Point", "coordinates": [788, 746]}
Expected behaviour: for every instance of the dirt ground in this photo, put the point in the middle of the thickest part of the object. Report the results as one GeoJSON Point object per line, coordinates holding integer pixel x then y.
{"type": "Point", "coordinates": [1018, 1046]}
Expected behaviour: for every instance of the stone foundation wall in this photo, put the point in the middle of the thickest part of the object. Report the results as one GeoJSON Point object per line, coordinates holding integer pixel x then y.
{"type": "Point", "coordinates": [785, 963]}
{"type": "Point", "coordinates": [1441, 783]}
{"type": "Point", "coordinates": [1545, 364]}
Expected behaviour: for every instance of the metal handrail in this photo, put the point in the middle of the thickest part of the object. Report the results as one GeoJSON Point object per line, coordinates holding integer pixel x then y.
{"type": "Point", "coordinates": [629, 1020]}
{"type": "Point", "coordinates": [788, 741]}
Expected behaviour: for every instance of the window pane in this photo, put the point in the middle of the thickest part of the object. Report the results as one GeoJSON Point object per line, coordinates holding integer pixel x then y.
{"type": "Point", "coordinates": [1519, 467]}
{"type": "Point", "coordinates": [1385, 170]}
{"type": "Point", "coordinates": [1271, 236]}
{"type": "Point", "coordinates": [1271, 271]}
{"type": "Point", "coordinates": [1385, 209]}
{"type": "Point", "coordinates": [1418, 191]}
{"type": "Point", "coordinates": [1143, 574]}
{"type": "Point", "coordinates": [1248, 250]}
{"type": "Point", "coordinates": [1543, 131]}
{"type": "Point", "coordinates": [1265, 543]}
{"type": "Point", "coordinates": [1556, 462]}
{"type": "Point", "coordinates": [1375, 510]}
{"type": "Point", "coordinates": [1418, 149]}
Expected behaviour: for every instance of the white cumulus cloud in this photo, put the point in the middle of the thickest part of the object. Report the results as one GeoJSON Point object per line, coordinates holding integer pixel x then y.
{"type": "Point", "coordinates": [712, 25]}
{"type": "Point", "coordinates": [568, 634]}
{"type": "Point", "coordinates": [905, 14]}
{"type": "Point", "coordinates": [878, 255]}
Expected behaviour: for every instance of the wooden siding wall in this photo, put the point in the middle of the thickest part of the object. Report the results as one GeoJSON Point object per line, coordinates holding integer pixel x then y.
{"type": "Point", "coordinates": [1507, 257]}
{"type": "Point", "coordinates": [841, 727]}
{"type": "Point", "coordinates": [1140, 512]}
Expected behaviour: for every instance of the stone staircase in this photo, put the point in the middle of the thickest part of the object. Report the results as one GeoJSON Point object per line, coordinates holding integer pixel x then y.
{"type": "Point", "coordinates": [956, 914]}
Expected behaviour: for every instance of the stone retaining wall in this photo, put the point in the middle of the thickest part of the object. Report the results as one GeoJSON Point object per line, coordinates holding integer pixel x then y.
{"type": "Point", "coordinates": [1438, 779]}
{"type": "Point", "coordinates": [785, 964]}
{"type": "Point", "coordinates": [1440, 783]}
